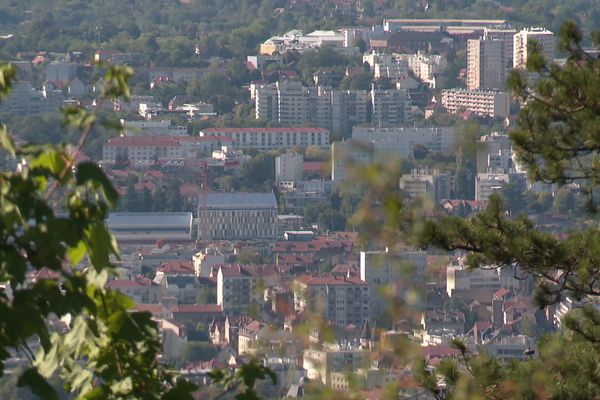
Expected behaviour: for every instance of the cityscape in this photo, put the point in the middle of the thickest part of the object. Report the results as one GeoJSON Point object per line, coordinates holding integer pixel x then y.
{"type": "Point", "coordinates": [291, 195]}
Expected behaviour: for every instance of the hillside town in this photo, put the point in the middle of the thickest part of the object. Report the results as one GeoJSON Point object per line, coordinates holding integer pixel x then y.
{"type": "Point", "coordinates": [239, 194]}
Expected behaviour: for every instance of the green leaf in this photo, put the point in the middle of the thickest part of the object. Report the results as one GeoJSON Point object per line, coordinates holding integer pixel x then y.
{"type": "Point", "coordinates": [91, 172]}
{"type": "Point", "coordinates": [38, 385]}
{"type": "Point", "coordinates": [51, 160]}
{"type": "Point", "coordinates": [6, 141]}
{"type": "Point", "coordinates": [75, 254]}
{"type": "Point", "coordinates": [182, 391]}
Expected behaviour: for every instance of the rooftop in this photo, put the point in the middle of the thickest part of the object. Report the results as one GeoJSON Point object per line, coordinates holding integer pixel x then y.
{"type": "Point", "coordinates": [217, 131]}
{"type": "Point", "coordinates": [242, 200]}
{"type": "Point", "coordinates": [128, 220]}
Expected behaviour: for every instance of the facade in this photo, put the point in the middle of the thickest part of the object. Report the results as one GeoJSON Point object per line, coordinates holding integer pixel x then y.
{"type": "Point", "coordinates": [148, 149]}
{"type": "Point", "coordinates": [426, 67]}
{"type": "Point", "coordinates": [486, 64]}
{"type": "Point", "coordinates": [348, 154]}
{"type": "Point", "coordinates": [399, 142]}
{"type": "Point", "coordinates": [489, 103]}
{"type": "Point", "coordinates": [425, 184]}
{"type": "Point", "coordinates": [242, 286]}
{"type": "Point", "coordinates": [291, 104]}
{"type": "Point", "coordinates": [376, 271]}
{"type": "Point", "coordinates": [507, 35]}
{"type": "Point", "coordinates": [265, 139]}
{"type": "Point", "coordinates": [322, 364]}
{"type": "Point", "coordinates": [488, 183]}
{"type": "Point", "coordinates": [25, 100]}
{"type": "Point", "coordinates": [341, 300]}
{"type": "Point", "coordinates": [543, 37]}
{"type": "Point", "coordinates": [458, 277]}
{"type": "Point", "coordinates": [237, 216]}
{"type": "Point", "coordinates": [152, 128]}
{"type": "Point", "coordinates": [390, 107]}
{"type": "Point", "coordinates": [150, 227]}
{"type": "Point", "coordinates": [289, 167]}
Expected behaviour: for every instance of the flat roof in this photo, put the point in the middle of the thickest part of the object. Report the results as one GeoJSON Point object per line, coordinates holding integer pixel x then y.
{"type": "Point", "coordinates": [240, 200]}
{"type": "Point", "coordinates": [149, 219]}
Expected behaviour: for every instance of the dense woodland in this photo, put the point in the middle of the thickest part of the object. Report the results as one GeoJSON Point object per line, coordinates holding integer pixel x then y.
{"type": "Point", "coordinates": [167, 32]}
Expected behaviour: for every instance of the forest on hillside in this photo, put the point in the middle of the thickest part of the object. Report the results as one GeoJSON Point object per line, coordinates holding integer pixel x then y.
{"type": "Point", "coordinates": [189, 32]}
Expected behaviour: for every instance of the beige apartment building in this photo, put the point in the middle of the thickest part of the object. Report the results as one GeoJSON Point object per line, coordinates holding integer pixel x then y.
{"type": "Point", "coordinates": [265, 139]}
{"type": "Point", "coordinates": [491, 103]}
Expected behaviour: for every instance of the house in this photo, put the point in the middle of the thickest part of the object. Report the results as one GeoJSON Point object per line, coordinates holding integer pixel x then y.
{"type": "Point", "coordinates": [140, 289]}
{"type": "Point", "coordinates": [76, 88]}
{"type": "Point", "coordinates": [195, 313]}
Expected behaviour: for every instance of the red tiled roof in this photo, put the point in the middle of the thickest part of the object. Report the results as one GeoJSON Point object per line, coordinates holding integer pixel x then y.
{"type": "Point", "coordinates": [129, 283]}
{"type": "Point", "coordinates": [197, 308]}
{"type": "Point", "coordinates": [266, 130]}
{"type": "Point", "coordinates": [159, 141]}
{"type": "Point", "coordinates": [329, 280]}
{"type": "Point", "coordinates": [314, 166]}
{"type": "Point", "coordinates": [501, 292]}
{"type": "Point", "coordinates": [178, 267]}
{"type": "Point", "coordinates": [236, 270]}
{"type": "Point", "coordinates": [295, 259]}
{"type": "Point", "coordinates": [151, 308]}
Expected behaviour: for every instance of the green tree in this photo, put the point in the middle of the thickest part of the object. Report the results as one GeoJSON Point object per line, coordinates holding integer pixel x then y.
{"type": "Point", "coordinates": [564, 201]}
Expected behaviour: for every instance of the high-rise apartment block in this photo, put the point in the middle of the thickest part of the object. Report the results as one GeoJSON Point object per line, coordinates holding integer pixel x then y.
{"type": "Point", "coordinates": [289, 167]}
{"type": "Point", "coordinates": [390, 107]}
{"type": "Point", "coordinates": [291, 104]}
{"type": "Point", "coordinates": [486, 64]}
{"type": "Point", "coordinates": [541, 36]}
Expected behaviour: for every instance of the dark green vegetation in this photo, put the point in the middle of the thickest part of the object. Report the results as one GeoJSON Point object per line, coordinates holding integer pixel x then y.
{"type": "Point", "coordinates": [168, 33]}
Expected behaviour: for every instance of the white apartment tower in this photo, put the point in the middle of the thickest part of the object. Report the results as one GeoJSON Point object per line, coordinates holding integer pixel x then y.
{"type": "Point", "coordinates": [543, 37]}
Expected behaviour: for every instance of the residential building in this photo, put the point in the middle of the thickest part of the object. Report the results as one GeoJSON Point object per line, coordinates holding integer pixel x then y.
{"type": "Point", "coordinates": [289, 167]}
{"type": "Point", "coordinates": [376, 270]}
{"type": "Point", "coordinates": [144, 227]}
{"type": "Point", "coordinates": [176, 73]}
{"type": "Point", "coordinates": [321, 364]}
{"type": "Point", "coordinates": [298, 41]}
{"type": "Point", "coordinates": [399, 142]}
{"type": "Point", "coordinates": [489, 146]}
{"type": "Point", "coordinates": [541, 36]}
{"type": "Point", "coordinates": [150, 149]}
{"type": "Point", "coordinates": [487, 103]}
{"type": "Point", "coordinates": [425, 184]}
{"type": "Point", "coordinates": [240, 287]}
{"type": "Point", "coordinates": [426, 67]}
{"type": "Point", "coordinates": [271, 138]}
{"type": "Point", "coordinates": [140, 289]}
{"type": "Point", "coordinates": [341, 300]}
{"type": "Point", "coordinates": [458, 277]}
{"type": "Point", "coordinates": [507, 35]}
{"type": "Point", "coordinates": [261, 61]}
{"type": "Point", "coordinates": [449, 24]}
{"type": "Point", "coordinates": [389, 107]}
{"type": "Point", "coordinates": [152, 128]}
{"type": "Point", "coordinates": [486, 64]}
{"type": "Point", "coordinates": [25, 100]}
{"type": "Point", "coordinates": [348, 109]}
{"type": "Point", "coordinates": [488, 183]}
{"type": "Point", "coordinates": [205, 260]}
{"type": "Point", "coordinates": [297, 195]}
{"type": "Point", "coordinates": [347, 155]}
{"type": "Point", "coordinates": [510, 348]}
{"type": "Point", "coordinates": [61, 71]}
{"type": "Point", "coordinates": [237, 216]}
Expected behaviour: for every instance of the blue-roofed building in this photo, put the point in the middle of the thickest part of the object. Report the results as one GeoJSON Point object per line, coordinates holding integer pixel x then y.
{"type": "Point", "coordinates": [141, 227]}
{"type": "Point", "coordinates": [237, 216]}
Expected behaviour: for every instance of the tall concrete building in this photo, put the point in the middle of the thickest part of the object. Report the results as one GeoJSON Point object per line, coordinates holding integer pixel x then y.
{"type": "Point", "coordinates": [507, 35]}
{"type": "Point", "coordinates": [543, 37]}
{"type": "Point", "coordinates": [491, 103]}
{"type": "Point", "coordinates": [348, 109]}
{"type": "Point", "coordinates": [486, 64]}
{"type": "Point", "coordinates": [425, 184]}
{"type": "Point", "coordinates": [389, 107]}
{"type": "Point", "coordinates": [289, 167]}
{"type": "Point", "coordinates": [348, 154]}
